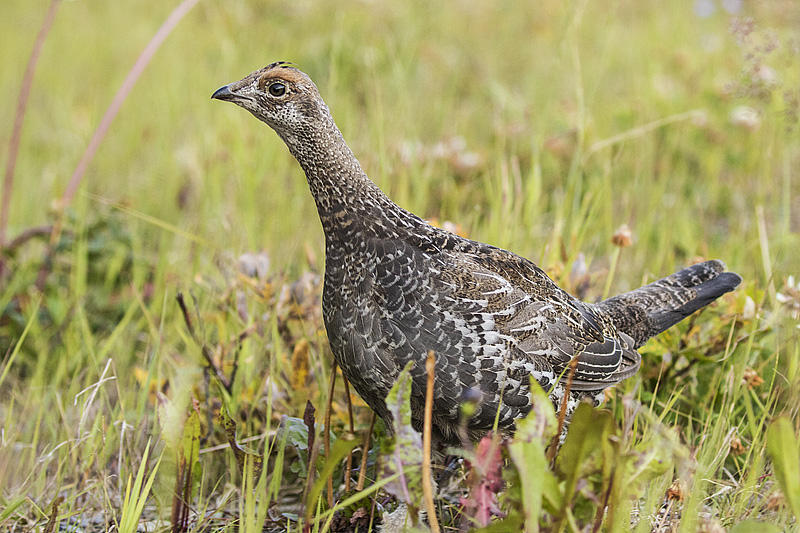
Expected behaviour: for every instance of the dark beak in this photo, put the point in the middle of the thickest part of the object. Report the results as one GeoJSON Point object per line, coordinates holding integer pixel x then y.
{"type": "Point", "coordinates": [223, 93]}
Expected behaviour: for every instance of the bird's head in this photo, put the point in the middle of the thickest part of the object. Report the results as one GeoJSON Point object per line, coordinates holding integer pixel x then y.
{"type": "Point", "coordinates": [281, 96]}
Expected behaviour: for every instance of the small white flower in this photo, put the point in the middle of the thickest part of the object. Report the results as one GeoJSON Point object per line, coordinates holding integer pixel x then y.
{"type": "Point", "coordinates": [766, 75]}
{"type": "Point", "coordinates": [745, 117]}
{"type": "Point", "coordinates": [749, 310]}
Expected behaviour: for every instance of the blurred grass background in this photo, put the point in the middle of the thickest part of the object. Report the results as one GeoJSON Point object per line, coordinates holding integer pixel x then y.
{"type": "Point", "coordinates": [505, 78]}
{"type": "Point", "coordinates": [501, 117]}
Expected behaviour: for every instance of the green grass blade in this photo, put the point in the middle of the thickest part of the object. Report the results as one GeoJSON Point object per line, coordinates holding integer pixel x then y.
{"type": "Point", "coordinates": [785, 454]}
{"type": "Point", "coordinates": [21, 339]}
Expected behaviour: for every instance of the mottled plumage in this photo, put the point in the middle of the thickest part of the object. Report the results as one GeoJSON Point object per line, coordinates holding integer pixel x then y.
{"type": "Point", "coordinates": [397, 287]}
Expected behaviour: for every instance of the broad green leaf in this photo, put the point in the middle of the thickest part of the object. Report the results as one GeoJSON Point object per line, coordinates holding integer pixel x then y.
{"type": "Point", "coordinates": [188, 470]}
{"type": "Point", "coordinates": [512, 523]}
{"type": "Point", "coordinates": [339, 451]}
{"type": "Point", "coordinates": [295, 431]}
{"type": "Point", "coordinates": [588, 430]}
{"type": "Point", "coordinates": [618, 518]}
{"type": "Point", "coordinates": [190, 446]}
{"type": "Point", "coordinates": [542, 417]}
{"type": "Point", "coordinates": [528, 453]}
{"type": "Point", "coordinates": [785, 454]}
{"type": "Point", "coordinates": [529, 457]}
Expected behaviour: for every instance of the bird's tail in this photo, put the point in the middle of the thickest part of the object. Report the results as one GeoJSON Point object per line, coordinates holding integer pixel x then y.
{"type": "Point", "coordinates": [649, 310]}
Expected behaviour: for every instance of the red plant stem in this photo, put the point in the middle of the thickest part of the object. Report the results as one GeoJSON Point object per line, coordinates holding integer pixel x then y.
{"type": "Point", "coordinates": [19, 116]}
{"type": "Point", "coordinates": [130, 80]}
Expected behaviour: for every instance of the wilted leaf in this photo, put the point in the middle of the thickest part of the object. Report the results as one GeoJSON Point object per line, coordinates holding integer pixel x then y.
{"type": "Point", "coordinates": [293, 432]}
{"type": "Point", "coordinates": [188, 472]}
{"type": "Point", "coordinates": [783, 450]}
{"type": "Point", "coordinates": [300, 365]}
{"type": "Point", "coordinates": [405, 454]}
{"type": "Point", "coordinates": [52, 521]}
{"type": "Point", "coordinates": [190, 442]}
{"type": "Point", "coordinates": [240, 453]}
{"type": "Point", "coordinates": [309, 420]}
{"type": "Point", "coordinates": [485, 481]}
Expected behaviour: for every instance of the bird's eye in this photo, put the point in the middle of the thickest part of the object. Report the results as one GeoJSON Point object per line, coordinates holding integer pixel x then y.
{"type": "Point", "coordinates": [277, 89]}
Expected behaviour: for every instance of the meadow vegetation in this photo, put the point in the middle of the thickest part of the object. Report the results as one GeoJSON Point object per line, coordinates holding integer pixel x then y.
{"type": "Point", "coordinates": [162, 354]}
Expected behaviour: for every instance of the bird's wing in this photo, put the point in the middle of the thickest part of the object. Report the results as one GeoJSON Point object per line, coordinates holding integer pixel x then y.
{"type": "Point", "coordinates": [539, 319]}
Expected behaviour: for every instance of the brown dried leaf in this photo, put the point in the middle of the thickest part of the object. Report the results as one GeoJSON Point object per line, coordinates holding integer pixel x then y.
{"type": "Point", "coordinates": [736, 446]}
{"type": "Point", "coordinates": [300, 365]}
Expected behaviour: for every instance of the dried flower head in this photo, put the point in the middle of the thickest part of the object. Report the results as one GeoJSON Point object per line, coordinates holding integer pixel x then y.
{"type": "Point", "coordinates": [736, 446]}
{"type": "Point", "coordinates": [751, 378]}
{"type": "Point", "coordinates": [623, 237]}
{"type": "Point", "coordinates": [254, 265]}
{"type": "Point", "coordinates": [789, 296]}
{"type": "Point", "coordinates": [775, 501]}
{"type": "Point", "coordinates": [676, 491]}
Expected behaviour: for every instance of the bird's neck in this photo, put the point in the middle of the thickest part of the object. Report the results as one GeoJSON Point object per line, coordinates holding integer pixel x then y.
{"type": "Point", "coordinates": [344, 195]}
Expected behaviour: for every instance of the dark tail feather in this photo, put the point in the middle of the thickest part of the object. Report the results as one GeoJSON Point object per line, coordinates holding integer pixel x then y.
{"type": "Point", "coordinates": [649, 310]}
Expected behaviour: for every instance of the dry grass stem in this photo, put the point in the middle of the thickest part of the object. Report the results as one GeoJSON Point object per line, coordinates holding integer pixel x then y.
{"type": "Point", "coordinates": [52, 521]}
{"type": "Point", "coordinates": [19, 117]}
{"type": "Point", "coordinates": [105, 124]}
{"type": "Point", "coordinates": [326, 437]}
{"type": "Point", "coordinates": [362, 471]}
{"type": "Point", "coordinates": [644, 129]}
{"type": "Point", "coordinates": [313, 453]}
{"type": "Point", "coordinates": [122, 94]}
{"type": "Point", "coordinates": [204, 349]}
{"type": "Point", "coordinates": [25, 236]}
{"type": "Point", "coordinates": [427, 476]}
{"type": "Point", "coordinates": [349, 466]}
{"type": "Point", "coordinates": [562, 413]}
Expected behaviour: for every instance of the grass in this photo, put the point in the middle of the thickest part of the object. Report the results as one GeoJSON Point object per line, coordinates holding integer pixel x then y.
{"type": "Point", "coordinates": [540, 128]}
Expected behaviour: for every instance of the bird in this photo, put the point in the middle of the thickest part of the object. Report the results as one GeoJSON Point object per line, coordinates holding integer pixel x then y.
{"type": "Point", "coordinates": [396, 288]}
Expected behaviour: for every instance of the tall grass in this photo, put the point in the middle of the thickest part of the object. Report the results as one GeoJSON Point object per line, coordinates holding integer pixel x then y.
{"type": "Point", "coordinates": [540, 128]}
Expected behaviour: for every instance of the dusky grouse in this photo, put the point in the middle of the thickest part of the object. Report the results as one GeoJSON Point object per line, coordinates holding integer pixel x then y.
{"type": "Point", "coordinates": [397, 287]}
